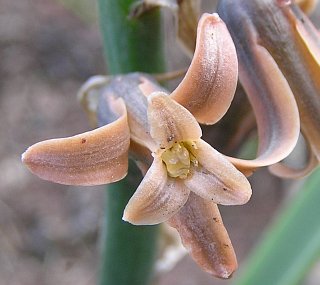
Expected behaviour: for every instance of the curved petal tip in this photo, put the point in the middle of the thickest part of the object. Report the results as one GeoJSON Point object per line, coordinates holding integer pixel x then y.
{"type": "Point", "coordinates": [92, 158]}
{"type": "Point", "coordinates": [210, 83]}
{"type": "Point", "coordinates": [170, 122]}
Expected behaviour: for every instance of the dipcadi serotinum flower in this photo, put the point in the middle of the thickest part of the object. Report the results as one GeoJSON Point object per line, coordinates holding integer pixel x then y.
{"type": "Point", "coordinates": [184, 177]}
{"type": "Point", "coordinates": [279, 67]}
{"type": "Point", "coordinates": [182, 163]}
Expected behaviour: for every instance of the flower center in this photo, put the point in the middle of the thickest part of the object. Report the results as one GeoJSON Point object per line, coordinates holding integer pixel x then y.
{"type": "Point", "coordinates": [179, 158]}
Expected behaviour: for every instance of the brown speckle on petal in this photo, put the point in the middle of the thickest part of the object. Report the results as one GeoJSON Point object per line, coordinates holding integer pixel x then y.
{"type": "Point", "coordinates": [204, 236]}
{"type": "Point", "coordinates": [95, 157]}
{"type": "Point", "coordinates": [169, 122]}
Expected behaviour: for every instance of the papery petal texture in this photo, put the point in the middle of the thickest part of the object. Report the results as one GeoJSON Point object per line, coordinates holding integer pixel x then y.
{"type": "Point", "coordinates": [209, 85]}
{"type": "Point", "coordinates": [92, 158]}
{"type": "Point", "coordinates": [262, 76]}
{"type": "Point", "coordinates": [157, 198]}
{"type": "Point", "coordinates": [204, 236]}
{"type": "Point", "coordinates": [285, 171]}
{"type": "Point", "coordinates": [277, 114]}
{"type": "Point", "coordinates": [305, 59]}
{"type": "Point", "coordinates": [217, 179]}
{"type": "Point", "coordinates": [128, 88]}
{"type": "Point", "coordinates": [89, 94]}
{"type": "Point", "coordinates": [170, 122]}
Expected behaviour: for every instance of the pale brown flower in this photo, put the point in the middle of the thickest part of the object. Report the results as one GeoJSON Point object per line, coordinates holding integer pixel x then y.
{"type": "Point", "coordinates": [182, 163]}
{"type": "Point", "coordinates": [279, 66]}
{"type": "Point", "coordinates": [187, 176]}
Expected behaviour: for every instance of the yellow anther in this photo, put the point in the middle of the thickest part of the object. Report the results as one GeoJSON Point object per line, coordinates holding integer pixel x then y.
{"type": "Point", "coordinates": [178, 159]}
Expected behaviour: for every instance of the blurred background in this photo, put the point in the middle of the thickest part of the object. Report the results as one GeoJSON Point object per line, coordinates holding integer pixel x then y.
{"type": "Point", "coordinates": [49, 233]}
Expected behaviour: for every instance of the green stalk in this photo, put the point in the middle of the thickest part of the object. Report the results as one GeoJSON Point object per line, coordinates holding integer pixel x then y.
{"type": "Point", "coordinates": [129, 45]}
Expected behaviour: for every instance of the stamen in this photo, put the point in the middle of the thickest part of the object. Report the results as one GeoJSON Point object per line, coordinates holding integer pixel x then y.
{"type": "Point", "coordinates": [178, 159]}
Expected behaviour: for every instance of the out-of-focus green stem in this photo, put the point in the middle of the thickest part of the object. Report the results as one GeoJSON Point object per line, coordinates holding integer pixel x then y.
{"type": "Point", "coordinates": [129, 45]}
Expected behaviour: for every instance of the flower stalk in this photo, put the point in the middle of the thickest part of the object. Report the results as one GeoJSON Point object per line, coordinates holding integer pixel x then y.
{"type": "Point", "coordinates": [129, 45]}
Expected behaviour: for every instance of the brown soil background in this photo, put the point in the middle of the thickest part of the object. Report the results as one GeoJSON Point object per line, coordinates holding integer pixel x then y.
{"type": "Point", "coordinates": [49, 234]}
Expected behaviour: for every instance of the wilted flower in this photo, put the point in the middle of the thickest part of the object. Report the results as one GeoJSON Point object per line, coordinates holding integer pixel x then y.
{"type": "Point", "coordinates": [184, 176]}
{"type": "Point", "coordinates": [279, 67]}
{"type": "Point", "coordinates": [182, 162]}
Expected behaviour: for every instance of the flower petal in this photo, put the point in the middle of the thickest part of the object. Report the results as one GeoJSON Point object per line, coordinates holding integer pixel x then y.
{"type": "Point", "coordinates": [157, 198]}
{"type": "Point", "coordinates": [285, 171]}
{"type": "Point", "coordinates": [147, 86]}
{"type": "Point", "coordinates": [216, 178]}
{"type": "Point", "coordinates": [170, 122]}
{"type": "Point", "coordinates": [307, 89]}
{"type": "Point", "coordinates": [204, 236]}
{"type": "Point", "coordinates": [128, 88]}
{"type": "Point", "coordinates": [95, 157]}
{"type": "Point", "coordinates": [210, 83]}
{"type": "Point", "coordinates": [307, 6]}
{"type": "Point", "coordinates": [188, 16]}
{"type": "Point", "coordinates": [89, 94]}
{"type": "Point", "coordinates": [287, 50]}
{"type": "Point", "coordinates": [276, 113]}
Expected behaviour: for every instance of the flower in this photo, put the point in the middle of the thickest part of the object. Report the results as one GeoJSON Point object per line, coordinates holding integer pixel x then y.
{"type": "Point", "coordinates": [182, 163]}
{"type": "Point", "coordinates": [186, 177]}
{"type": "Point", "coordinates": [279, 67]}
{"type": "Point", "coordinates": [183, 185]}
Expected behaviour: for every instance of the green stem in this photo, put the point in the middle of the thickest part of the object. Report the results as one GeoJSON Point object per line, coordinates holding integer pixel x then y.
{"type": "Point", "coordinates": [129, 251]}
{"type": "Point", "coordinates": [129, 45]}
